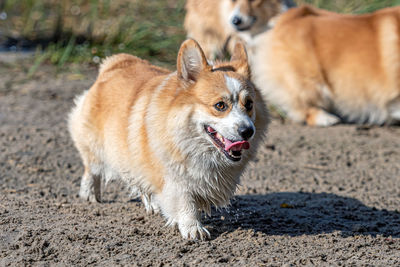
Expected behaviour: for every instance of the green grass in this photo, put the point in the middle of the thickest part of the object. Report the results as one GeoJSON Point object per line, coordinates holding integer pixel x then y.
{"type": "Point", "coordinates": [351, 6]}
{"type": "Point", "coordinates": [84, 31]}
{"type": "Point", "coordinates": [87, 30]}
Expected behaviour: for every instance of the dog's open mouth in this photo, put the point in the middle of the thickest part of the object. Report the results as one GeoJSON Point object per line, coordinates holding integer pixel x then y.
{"type": "Point", "coordinates": [231, 149]}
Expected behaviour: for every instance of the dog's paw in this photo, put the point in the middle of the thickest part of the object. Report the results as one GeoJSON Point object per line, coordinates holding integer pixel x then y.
{"type": "Point", "coordinates": [322, 118]}
{"type": "Point", "coordinates": [89, 196]}
{"type": "Point", "coordinates": [194, 230]}
{"type": "Point", "coordinates": [90, 188]}
{"type": "Point", "coordinates": [149, 204]}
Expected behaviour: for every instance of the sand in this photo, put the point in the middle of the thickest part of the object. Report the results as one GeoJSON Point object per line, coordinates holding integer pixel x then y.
{"type": "Point", "coordinates": [314, 196]}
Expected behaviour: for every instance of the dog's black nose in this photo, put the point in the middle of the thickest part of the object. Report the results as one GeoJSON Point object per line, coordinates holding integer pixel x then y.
{"type": "Point", "coordinates": [236, 21]}
{"type": "Point", "coordinates": [246, 132]}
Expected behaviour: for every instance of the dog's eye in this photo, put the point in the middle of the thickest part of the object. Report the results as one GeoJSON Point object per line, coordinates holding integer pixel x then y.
{"type": "Point", "coordinates": [220, 106]}
{"type": "Point", "coordinates": [248, 105]}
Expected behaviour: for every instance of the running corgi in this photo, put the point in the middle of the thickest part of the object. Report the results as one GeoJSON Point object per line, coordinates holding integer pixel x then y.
{"type": "Point", "coordinates": [180, 140]}
{"type": "Point", "coordinates": [322, 68]}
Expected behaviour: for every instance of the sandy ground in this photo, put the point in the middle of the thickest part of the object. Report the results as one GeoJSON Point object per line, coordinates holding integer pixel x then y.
{"type": "Point", "coordinates": [314, 196]}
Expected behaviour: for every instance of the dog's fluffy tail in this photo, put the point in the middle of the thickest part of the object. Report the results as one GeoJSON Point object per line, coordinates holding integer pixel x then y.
{"type": "Point", "coordinates": [116, 62]}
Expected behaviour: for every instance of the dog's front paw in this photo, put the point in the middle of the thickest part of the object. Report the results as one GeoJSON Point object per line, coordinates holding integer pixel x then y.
{"type": "Point", "coordinates": [319, 117]}
{"type": "Point", "coordinates": [193, 230]}
{"type": "Point", "coordinates": [89, 196]}
{"type": "Point", "coordinates": [149, 203]}
{"type": "Point", "coordinates": [90, 188]}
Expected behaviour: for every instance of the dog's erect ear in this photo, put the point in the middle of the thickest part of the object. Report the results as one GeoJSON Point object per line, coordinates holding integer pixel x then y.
{"type": "Point", "coordinates": [240, 61]}
{"type": "Point", "coordinates": [191, 61]}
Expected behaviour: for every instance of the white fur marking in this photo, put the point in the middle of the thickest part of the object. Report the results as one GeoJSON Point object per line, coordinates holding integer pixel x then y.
{"type": "Point", "coordinates": [325, 119]}
{"type": "Point", "coordinates": [233, 85]}
{"type": "Point", "coordinates": [396, 114]}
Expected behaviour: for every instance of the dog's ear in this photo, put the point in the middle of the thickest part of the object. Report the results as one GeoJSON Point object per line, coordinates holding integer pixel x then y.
{"type": "Point", "coordinates": [191, 61]}
{"type": "Point", "coordinates": [240, 61]}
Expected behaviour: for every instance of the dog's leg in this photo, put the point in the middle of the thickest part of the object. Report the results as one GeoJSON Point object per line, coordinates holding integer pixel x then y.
{"type": "Point", "coordinates": [319, 117]}
{"type": "Point", "coordinates": [180, 208]}
{"type": "Point", "coordinates": [189, 223]}
{"type": "Point", "coordinates": [396, 115]}
{"type": "Point", "coordinates": [394, 109]}
{"type": "Point", "coordinates": [90, 186]}
{"type": "Point", "coordinates": [149, 203]}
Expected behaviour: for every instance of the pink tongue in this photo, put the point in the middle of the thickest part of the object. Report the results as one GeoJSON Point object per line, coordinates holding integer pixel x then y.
{"type": "Point", "coordinates": [211, 130]}
{"type": "Point", "coordinates": [237, 146]}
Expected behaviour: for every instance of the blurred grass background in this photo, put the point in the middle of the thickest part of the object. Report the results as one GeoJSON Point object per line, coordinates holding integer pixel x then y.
{"type": "Point", "coordinates": [351, 6]}
{"type": "Point", "coordinates": [84, 31]}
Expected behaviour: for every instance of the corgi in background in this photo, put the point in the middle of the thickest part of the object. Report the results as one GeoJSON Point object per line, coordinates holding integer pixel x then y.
{"type": "Point", "coordinates": [323, 68]}
{"type": "Point", "coordinates": [180, 140]}
{"type": "Point", "coordinates": [218, 24]}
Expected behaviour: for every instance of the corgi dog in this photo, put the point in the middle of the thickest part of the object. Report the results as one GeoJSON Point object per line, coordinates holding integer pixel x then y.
{"type": "Point", "coordinates": [323, 68]}
{"type": "Point", "coordinates": [218, 24]}
{"type": "Point", "coordinates": [180, 140]}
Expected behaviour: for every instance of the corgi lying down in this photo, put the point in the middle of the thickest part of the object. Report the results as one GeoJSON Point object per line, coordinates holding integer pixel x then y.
{"type": "Point", "coordinates": [214, 22]}
{"type": "Point", "coordinates": [181, 139]}
{"type": "Point", "coordinates": [322, 68]}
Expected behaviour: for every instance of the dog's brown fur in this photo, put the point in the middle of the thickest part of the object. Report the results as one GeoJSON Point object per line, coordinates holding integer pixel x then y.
{"type": "Point", "coordinates": [316, 62]}
{"type": "Point", "coordinates": [149, 127]}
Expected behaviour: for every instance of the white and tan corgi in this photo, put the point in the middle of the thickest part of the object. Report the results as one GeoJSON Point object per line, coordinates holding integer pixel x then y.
{"type": "Point", "coordinates": [178, 139]}
{"type": "Point", "coordinates": [214, 22]}
{"type": "Point", "coordinates": [323, 68]}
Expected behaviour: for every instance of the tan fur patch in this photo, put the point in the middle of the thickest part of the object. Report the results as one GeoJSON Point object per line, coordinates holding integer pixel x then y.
{"type": "Point", "coordinates": [314, 59]}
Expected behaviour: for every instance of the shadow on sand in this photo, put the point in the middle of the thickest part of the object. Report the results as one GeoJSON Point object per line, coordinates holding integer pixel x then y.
{"type": "Point", "coordinates": [296, 214]}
